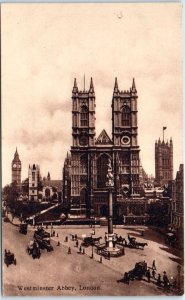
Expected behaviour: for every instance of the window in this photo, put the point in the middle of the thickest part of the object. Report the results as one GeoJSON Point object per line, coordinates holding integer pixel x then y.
{"type": "Point", "coordinates": [33, 176]}
{"type": "Point", "coordinates": [125, 116]}
{"type": "Point", "coordinates": [102, 168]}
{"type": "Point", "coordinates": [84, 116]}
{"type": "Point", "coordinates": [83, 164]}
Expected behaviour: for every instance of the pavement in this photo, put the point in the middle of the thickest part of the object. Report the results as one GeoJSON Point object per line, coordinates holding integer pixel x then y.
{"type": "Point", "coordinates": [79, 274]}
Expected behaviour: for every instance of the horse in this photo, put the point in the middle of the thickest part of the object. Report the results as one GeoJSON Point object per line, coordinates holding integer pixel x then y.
{"type": "Point", "coordinates": [142, 245]}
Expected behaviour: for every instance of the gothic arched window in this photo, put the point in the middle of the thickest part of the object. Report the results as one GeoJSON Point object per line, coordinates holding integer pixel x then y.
{"type": "Point", "coordinates": [84, 116]}
{"type": "Point", "coordinates": [83, 164]}
{"type": "Point", "coordinates": [125, 116]}
{"type": "Point", "coordinates": [102, 168]}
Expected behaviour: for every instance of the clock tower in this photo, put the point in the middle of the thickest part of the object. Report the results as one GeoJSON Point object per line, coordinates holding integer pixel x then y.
{"type": "Point", "coordinates": [16, 169]}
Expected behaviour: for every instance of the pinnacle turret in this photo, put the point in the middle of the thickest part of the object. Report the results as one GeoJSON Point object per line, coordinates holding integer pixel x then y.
{"type": "Point", "coordinates": [133, 86]}
{"type": "Point", "coordinates": [116, 85]}
{"type": "Point", "coordinates": [91, 85]}
{"type": "Point", "coordinates": [75, 87]}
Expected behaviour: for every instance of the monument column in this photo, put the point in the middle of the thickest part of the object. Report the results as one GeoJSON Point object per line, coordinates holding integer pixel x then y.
{"type": "Point", "coordinates": [110, 186]}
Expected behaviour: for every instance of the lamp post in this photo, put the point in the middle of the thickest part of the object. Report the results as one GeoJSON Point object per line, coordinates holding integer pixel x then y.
{"type": "Point", "coordinates": [95, 225]}
{"type": "Point", "coordinates": [51, 228]}
{"type": "Point", "coordinates": [92, 255]}
{"type": "Point", "coordinates": [179, 278]}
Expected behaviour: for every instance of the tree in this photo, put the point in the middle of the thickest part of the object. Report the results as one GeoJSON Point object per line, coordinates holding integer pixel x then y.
{"type": "Point", "coordinates": [25, 186]}
{"type": "Point", "coordinates": [11, 194]}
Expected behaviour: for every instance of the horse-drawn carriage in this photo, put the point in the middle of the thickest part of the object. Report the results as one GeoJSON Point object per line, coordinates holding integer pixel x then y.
{"type": "Point", "coordinates": [90, 241]}
{"type": "Point", "coordinates": [23, 228]}
{"type": "Point", "coordinates": [139, 271]}
{"type": "Point", "coordinates": [9, 258]}
{"type": "Point", "coordinates": [43, 239]}
{"type": "Point", "coordinates": [33, 249]}
{"type": "Point", "coordinates": [132, 243]}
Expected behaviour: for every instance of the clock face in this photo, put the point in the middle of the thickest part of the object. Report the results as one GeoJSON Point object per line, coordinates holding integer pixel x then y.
{"type": "Point", "coordinates": [125, 140]}
{"type": "Point", "coordinates": [14, 165]}
{"type": "Point", "coordinates": [83, 141]}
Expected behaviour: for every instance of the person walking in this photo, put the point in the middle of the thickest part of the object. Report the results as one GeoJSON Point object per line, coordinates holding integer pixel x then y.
{"type": "Point", "coordinates": [165, 280]}
{"type": "Point", "coordinates": [153, 273]}
{"type": "Point", "coordinates": [77, 243]}
{"type": "Point", "coordinates": [148, 275]}
{"type": "Point", "coordinates": [153, 265]}
{"type": "Point", "coordinates": [69, 250]}
{"type": "Point", "coordinates": [159, 280]}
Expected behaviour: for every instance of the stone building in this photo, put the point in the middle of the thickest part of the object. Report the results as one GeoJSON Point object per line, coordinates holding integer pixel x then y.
{"type": "Point", "coordinates": [89, 155]}
{"type": "Point", "coordinates": [163, 162]}
{"type": "Point", "coordinates": [51, 189]}
{"type": "Point", "coordinates": [16, 170]}
{"type": "Point", "coordinates": [178, 203]}
{"type": "Point", "coordinates": [34, 182]}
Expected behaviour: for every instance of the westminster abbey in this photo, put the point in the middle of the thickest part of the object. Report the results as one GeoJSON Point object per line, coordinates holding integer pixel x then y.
{"type": "Point", "coordinates": [85, 168]}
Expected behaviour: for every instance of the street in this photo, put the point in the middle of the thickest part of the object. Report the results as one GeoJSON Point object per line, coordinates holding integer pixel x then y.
{"type": "Point", "coordinates": [60, 273]}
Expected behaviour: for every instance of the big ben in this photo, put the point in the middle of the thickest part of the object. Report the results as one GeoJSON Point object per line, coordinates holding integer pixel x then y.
{"type": "Point", "coordinates": [16, 170]}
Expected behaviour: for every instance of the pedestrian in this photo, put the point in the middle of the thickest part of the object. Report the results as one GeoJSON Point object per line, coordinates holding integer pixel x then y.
{"type": "Point", "coordinates": [58, 244]}
{"type": "Point", "coordinates": [73, 237]}
{"type": "Point", "coordinates": [80, 249]}
{"type": "Point", "coordinates": [66, 240]}
{"type": "Point", "coordinates": [76, 237]}
{"type": "Point", "coordinates": [77, 243]}
{"type": "Point", "coordinates": [153, 273]}
{"type": "Point", "coordinates": [69, 250]}
{"type": "Point", "coordinates": [159, 280]}
{"type": "Point", "coordinates": [148, 275]}
{"type": "Point", "coordinates": [108, 255]}
{"type": "Point", "coordinates": [126, 278]}
{"type": "Point", "coordinates": [165, 280]}
{"type": "Point", "coordinates": [153, 265]}
{"type": "Point", "coordinates": [53, 232]}
{"type": "Point", "coordinates": [123, 250]}
{"type": "Point", "coordinates": [83, 252]}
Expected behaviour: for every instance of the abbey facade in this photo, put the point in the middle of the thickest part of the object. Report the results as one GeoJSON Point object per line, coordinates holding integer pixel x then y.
{"type": "Point", "coordinates": [85, 169]}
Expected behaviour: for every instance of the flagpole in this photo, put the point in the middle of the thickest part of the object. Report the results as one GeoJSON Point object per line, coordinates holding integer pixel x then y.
{"type": "Point", "coordinates": [164, 128]}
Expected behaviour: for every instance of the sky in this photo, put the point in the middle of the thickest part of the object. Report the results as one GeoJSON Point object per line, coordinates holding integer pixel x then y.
{"type": "Point", "coordinates": [45, 46]}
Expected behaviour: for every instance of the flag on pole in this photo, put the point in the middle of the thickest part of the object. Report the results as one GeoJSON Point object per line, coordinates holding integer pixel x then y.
{"type": "Point", "coordinates": [164, 128]}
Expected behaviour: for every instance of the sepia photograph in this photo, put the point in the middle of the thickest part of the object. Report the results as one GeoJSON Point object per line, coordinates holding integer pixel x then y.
{"type": "Point", "coordinates": [92, 149]}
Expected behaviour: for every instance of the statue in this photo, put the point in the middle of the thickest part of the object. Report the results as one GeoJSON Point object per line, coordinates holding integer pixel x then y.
{"type": "Point", "coordinates": [110, 177]}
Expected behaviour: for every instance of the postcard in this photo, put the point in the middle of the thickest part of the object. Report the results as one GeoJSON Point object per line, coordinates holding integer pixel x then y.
{"type": "Point", "coordinates": [92, 157]}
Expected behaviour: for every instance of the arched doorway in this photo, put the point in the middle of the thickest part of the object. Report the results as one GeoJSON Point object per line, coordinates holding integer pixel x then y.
{"type": "Point", "coordinates": [104, 210]}
{"type": "Point", "coordinates": [83, 201]}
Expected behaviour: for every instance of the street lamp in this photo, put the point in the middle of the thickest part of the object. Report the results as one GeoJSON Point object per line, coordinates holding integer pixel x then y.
{"type": "Point", "coordinates": [95, 225]}
{"type": "Point", "coordinates": [179, 278]}
{"type": "Point", "coordinates": [51, 228]}
{"type": "Point", "coordinates": [92, 255]}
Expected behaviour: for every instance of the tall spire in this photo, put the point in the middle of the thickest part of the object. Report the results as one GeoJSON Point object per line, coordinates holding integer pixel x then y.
{"type": "Point", "coordinates": [16, 155]}
{"type": "Point", "coordinates": [134, 86]}
{"type": "Point", "coordinates": [116, 85]}
{"type": "Point", "coordinates": [91, 85]}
